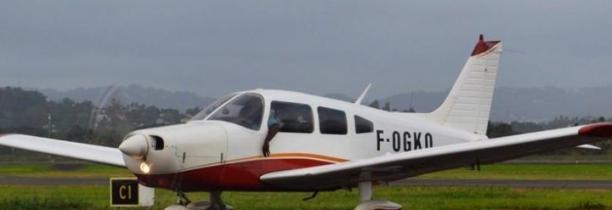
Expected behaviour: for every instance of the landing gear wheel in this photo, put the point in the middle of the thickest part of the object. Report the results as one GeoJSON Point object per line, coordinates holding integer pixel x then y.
{"type": "Point", "coordinates": [181, 199]}
{"type": "Point", "coordinates": [176, 207]}
{"type": "Point", "coordinates": [215, 203]}
{"type": "Point", "coordinates": [365, 192]}
{"type": "Point", "coordinates": [378, 205]}
{"type": "Point", "coordinates": [181, 202]}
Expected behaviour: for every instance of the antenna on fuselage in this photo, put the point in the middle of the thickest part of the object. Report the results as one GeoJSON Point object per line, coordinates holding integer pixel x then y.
{"type": "Point", "coordinates": [363, 94]}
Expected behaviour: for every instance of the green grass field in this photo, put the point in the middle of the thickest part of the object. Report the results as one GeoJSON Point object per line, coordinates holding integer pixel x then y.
{"type": "Point", "coordinates": [497, 171]}
{"type": "Point", "coordinates": [53, 170]}
{"type": "Point", "coordinates": [426, 198]}
{"type": "Point", "coordinates": [97, 197]}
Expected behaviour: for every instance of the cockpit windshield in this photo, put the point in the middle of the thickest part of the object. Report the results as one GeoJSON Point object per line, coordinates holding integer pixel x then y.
{"type": "Point", "coordinates": [245, 110]}
{"type": "Point", "coordinates": [212, 107]}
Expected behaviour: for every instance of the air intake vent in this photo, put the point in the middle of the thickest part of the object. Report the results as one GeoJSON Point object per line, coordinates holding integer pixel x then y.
{"type": "Point", "coordinates": [158, 142]}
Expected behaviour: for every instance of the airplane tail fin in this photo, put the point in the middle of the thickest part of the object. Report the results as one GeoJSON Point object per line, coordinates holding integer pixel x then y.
{"type": "Point", "coordinates": [468, 105]}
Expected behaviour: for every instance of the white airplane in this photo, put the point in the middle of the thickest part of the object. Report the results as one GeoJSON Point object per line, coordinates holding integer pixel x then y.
{"type": "Point", "coordinates": [274, 140]}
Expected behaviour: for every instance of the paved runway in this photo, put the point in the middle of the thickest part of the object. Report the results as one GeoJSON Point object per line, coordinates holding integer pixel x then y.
{"type": "Point", "coordinates": [585, 184]}
{"type": "Point", "coordinates": [49, 181]}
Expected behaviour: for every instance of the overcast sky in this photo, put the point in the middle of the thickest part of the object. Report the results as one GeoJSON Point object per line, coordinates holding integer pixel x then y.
{"type": "Point", "coordinates": [214, 47]}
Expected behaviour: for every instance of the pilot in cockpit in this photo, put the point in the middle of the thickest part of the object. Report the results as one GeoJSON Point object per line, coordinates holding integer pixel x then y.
{"type": "Point", "coordinates": [274, 126]}
{"type": "Point", "coordinates": [250, 114]}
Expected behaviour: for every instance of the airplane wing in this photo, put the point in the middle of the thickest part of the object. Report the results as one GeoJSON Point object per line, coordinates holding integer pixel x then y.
{"type": "Point", "coordinates": [402, 165]}
{"type": "Point", "coordinates": [93, 153]}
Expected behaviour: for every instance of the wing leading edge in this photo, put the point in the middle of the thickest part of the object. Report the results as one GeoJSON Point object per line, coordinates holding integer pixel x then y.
{"type": "Point", "coordinates": [401, 165]}
{"type": "Point", "coordinates": [93, 153]}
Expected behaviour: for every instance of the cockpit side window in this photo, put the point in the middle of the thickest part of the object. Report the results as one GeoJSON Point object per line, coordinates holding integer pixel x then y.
{"type": "Point", "coordinates": [212, 107]}
{"type": "Point", "coordinates": [292, 117]}
{"type": "Point", "coordinates": [332, 121]}
{"type": "Point", "coordinates": [245, 110]}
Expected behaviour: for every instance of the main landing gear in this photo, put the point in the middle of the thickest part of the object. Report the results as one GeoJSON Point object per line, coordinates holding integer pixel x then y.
{"type": "Point", "coordinates": [365, 192]}
{"type": "Point", "coordinates": [214, 203]}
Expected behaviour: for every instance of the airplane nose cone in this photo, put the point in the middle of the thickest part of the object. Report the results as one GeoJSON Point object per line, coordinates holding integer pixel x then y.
{"type": "Point", "coordinates": [135, 146]}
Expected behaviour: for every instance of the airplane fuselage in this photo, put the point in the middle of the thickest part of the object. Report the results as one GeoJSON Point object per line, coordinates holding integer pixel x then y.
{"type": "Point", "coordinates": [208, 154]}
{"type": "Point", "coordinates": [273, 140]}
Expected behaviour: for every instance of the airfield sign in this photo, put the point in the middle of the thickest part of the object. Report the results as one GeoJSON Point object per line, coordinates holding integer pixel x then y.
{"type": "Point", "coordinates": [126, 192]}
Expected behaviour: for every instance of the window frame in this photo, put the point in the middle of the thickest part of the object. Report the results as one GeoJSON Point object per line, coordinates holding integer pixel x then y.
{"type": "Point", "coordinates": [219, 102]}
{"type": "Point", "coordinates": [233, 99]}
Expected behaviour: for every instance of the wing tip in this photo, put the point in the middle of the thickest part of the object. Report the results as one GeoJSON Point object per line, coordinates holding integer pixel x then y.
{"type": "Point", "coordinates": [596, 130]}
{"type": "Point", "coordinates": [7, 134]}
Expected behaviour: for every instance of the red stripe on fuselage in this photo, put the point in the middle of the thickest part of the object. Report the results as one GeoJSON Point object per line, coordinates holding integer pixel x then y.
{"type": "Point", "coordinates": [243, 176]}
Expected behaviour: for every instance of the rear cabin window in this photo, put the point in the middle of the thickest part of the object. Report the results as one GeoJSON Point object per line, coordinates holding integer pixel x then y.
{"type": "Point", "coordinates": [332, 121]}
{"type": "Point", "coordinates": [363, 125]}
{"type": "Point", "coordinates": [293, 117]}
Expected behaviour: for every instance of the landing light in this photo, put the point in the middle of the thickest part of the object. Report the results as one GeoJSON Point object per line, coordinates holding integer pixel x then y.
{"type": "Point", "coordinates": [145, 168]}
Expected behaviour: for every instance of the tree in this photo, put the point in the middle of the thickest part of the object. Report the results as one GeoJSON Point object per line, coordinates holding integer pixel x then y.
{"type": "Point", "coordinates": [78, 134]}
{"type": "Point", "coordinates": [375, 104]}
{"type": "Point", "coordinates": [170, 116]}
{"type": "Point", "coordinates": [142, 116]}
{"type": "Point", "coordinates": [499, 129]}
{"type": "Point", "coordinates": [387, 106]}
{"type": "Point", "coordinates": [115, 121]}
{"type": "Point", "coordinates": [67, 113]}
{"type": "Point", "coordinates": [601, 119]}
{"type": "Point", "coordinates": [192, 111]}
{"type": "Point", "coordinates": [21, 108]}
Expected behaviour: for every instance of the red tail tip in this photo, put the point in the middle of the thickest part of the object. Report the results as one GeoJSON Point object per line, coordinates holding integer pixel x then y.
{"type": "Point", "coordinates": [596, 130]}
{"type": "Point", "coordinates": [483, 46]}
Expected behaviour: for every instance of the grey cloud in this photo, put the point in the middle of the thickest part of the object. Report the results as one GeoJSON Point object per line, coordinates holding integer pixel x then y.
{"type": "Point", "coordinates": [213, 47]}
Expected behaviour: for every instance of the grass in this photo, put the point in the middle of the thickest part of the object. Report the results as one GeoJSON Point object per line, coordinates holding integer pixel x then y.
{"type": "Point", "coordinates": [97, 197]}
{"type": "Point", "coordinates": [416, 198]}
{"type": "Point", "coordinates": [62, 170]}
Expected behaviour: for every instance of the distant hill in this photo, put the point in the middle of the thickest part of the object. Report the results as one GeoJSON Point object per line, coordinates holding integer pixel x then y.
{"type": "Point", "coordinates": [132, 94]}
{"type": "Point", "coordinates": [340, 96]}
{"type": "Point", "coordinates": [522, 104]}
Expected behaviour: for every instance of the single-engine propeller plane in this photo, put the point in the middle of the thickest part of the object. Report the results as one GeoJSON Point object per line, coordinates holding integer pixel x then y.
{"type": "Point", "coordinates": [275, 140]}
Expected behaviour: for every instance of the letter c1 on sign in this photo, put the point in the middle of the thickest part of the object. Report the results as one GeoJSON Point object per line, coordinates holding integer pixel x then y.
{"type": "Point", "coordinates": [126, 192]}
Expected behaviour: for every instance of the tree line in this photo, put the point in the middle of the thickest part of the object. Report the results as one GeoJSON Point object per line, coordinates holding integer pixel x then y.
{"type": "Point", "coordinates": [29, 112]}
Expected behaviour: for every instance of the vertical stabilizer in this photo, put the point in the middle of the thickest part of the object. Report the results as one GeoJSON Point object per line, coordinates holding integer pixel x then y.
{"type": "Point", "coordinates": [468, 105]}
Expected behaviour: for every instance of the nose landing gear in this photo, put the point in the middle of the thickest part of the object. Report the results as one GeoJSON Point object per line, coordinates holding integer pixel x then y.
{"type": "Point", "coordinates": [215, 203]}
{"type": "Point", "coordinates": [182, 199]}
{"type": "Point", "coordinates": [365, 192]}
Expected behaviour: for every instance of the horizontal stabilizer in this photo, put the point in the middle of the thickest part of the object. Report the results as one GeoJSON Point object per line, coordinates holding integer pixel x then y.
{"type": "Point", "coordinates": [588, 146]}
